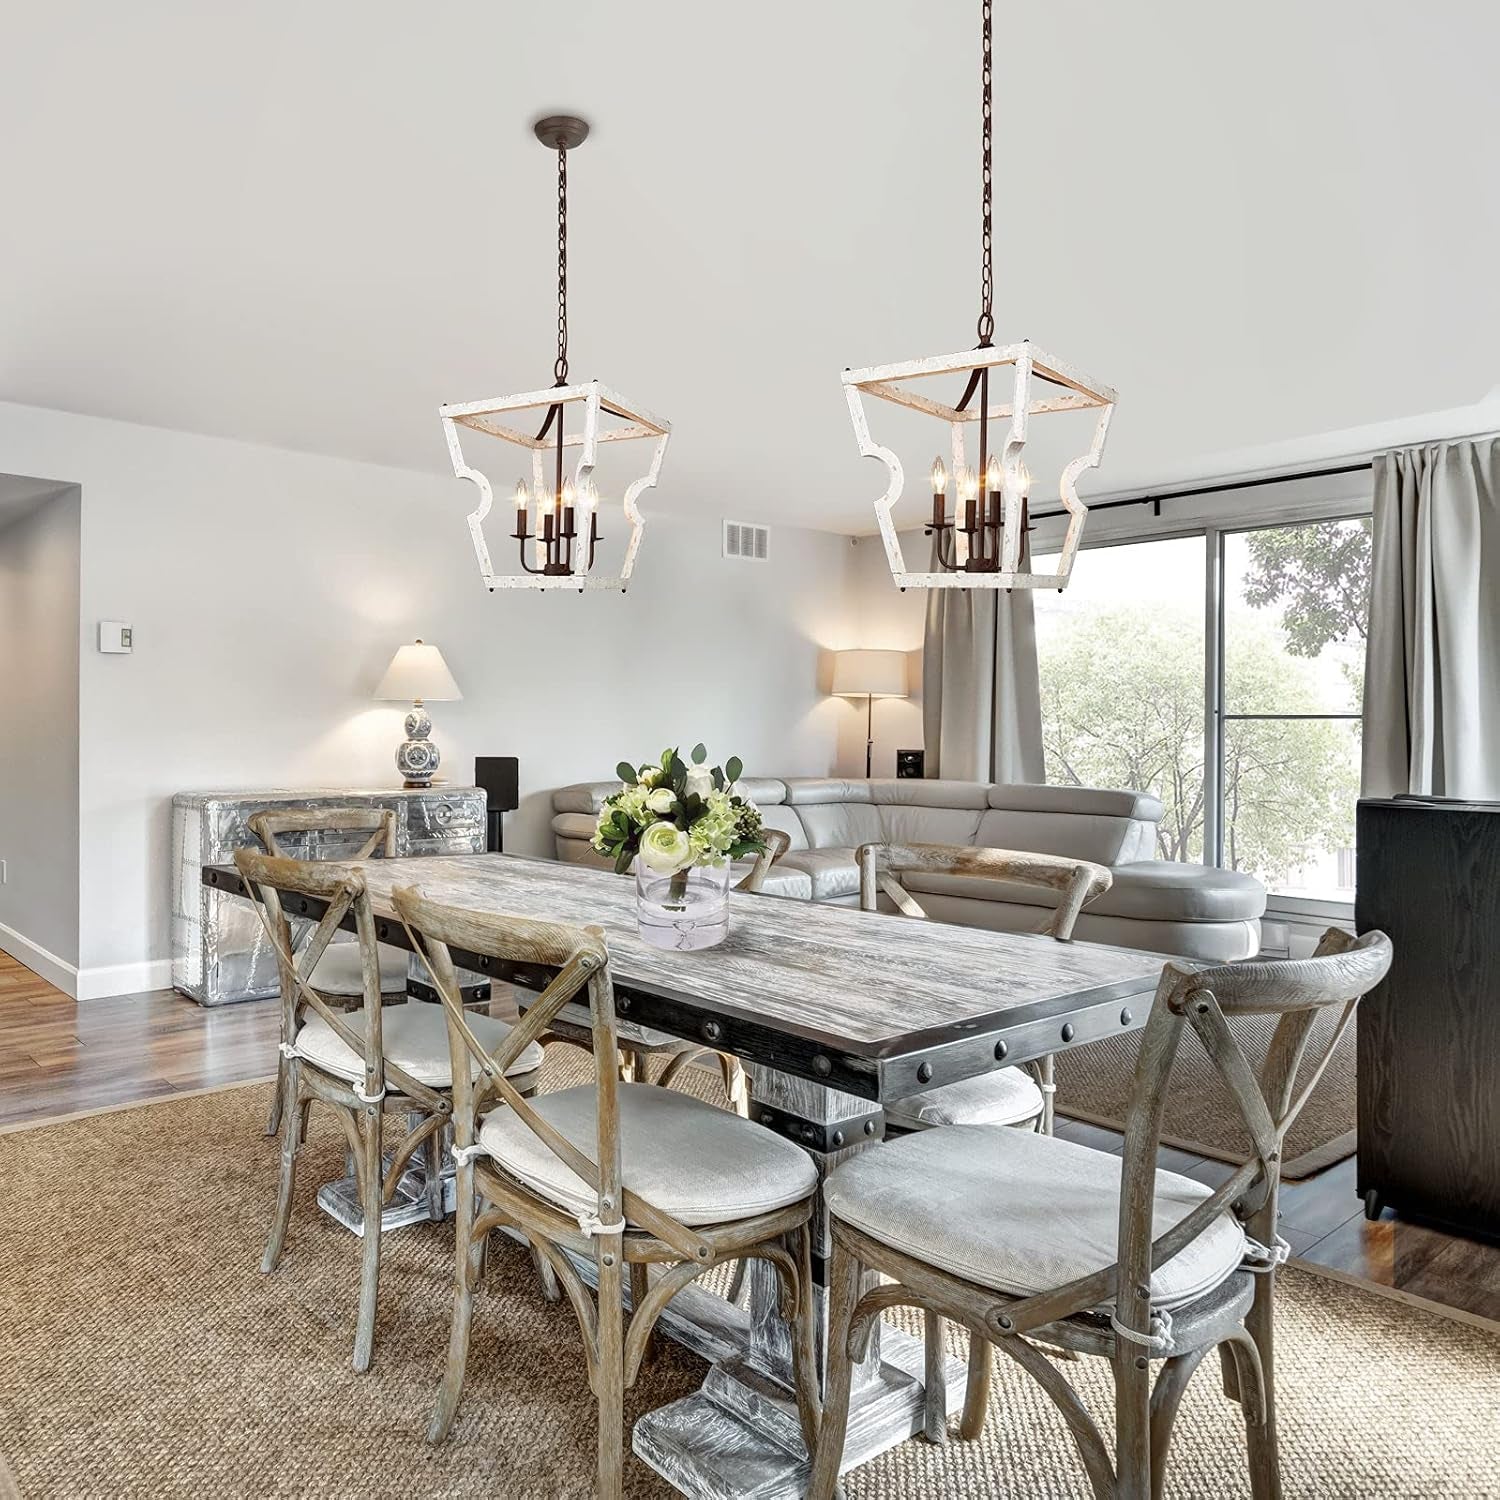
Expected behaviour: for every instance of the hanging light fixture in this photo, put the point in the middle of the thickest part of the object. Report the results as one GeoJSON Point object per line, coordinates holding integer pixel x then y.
{"type": "Point", "coordinates": [980, 544]}
{"type": "Point", "coordinates": [556, 526]}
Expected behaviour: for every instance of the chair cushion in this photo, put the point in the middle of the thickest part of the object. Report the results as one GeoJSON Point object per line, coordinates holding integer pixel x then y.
{"type": "Point", "coordinates": [700, 1164]}
{"type": "Point", "coordinates": [338, 971]}
{"type": "Point", "coordinates": [1008, 1096]}
{"type": "Point", "coordinates": [1020, 1212]}
{"type": "Point", "coordinates": [414, 1036]}
{"type": "Point", "coordinates": [832, 871]}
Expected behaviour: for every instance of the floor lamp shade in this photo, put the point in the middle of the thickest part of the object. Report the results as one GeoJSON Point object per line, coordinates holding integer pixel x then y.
{"type": "Point", "coordinates": [418, 674]}
{"type": "Point", "coordinates": [869, 675]}
{"type": "Point", "coordinates": [876, 674]}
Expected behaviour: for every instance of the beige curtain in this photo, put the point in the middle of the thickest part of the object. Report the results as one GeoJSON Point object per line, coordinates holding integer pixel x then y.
{"type": "Point", "coordinates": [1432, 669]}
{"type": "Point", "coordinates": [981, 696]}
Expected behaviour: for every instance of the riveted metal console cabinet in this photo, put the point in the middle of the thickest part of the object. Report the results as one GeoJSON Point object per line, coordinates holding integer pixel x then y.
{"type": "Point", "coordinates": [1429, 1035]}
{"type": "Point", "coordinates": [219, 952]}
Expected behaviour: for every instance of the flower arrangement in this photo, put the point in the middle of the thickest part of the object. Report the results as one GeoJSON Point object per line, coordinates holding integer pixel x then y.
{"type": "Point", "coordinates": [678, 814]}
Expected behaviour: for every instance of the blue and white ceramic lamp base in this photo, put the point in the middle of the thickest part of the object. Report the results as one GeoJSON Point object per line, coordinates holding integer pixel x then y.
{"type": "Point", "coordinates": [417, 758]}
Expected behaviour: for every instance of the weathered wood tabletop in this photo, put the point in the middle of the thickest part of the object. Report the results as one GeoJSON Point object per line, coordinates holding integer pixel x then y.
{"type": "Point", "coordinates": [875, 1005]}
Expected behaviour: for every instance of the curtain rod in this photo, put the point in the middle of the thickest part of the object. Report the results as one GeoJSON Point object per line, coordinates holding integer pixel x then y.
{"type": "Point", "coordinates": [1214, 489]}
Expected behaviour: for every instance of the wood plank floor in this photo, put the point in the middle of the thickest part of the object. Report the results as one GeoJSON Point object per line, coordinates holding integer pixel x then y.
{"type": "Point", "coordinates": [58, 1057]}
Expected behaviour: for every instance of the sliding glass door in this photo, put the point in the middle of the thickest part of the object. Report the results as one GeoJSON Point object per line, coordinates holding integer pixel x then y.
{"type": "Point", "coordinates": [1221, 670]}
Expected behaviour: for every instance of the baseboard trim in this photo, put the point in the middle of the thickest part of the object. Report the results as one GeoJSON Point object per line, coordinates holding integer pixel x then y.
{"type": "Point", "coordinates": [124, 979]}
{"type": "Point", "coordinates": [56, 971]}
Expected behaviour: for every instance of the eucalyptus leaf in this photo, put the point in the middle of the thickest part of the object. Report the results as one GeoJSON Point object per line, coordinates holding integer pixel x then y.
{"type": "Point", "coordinates": [622, 861]}
{"type": "Point", "coordinates": [733, 768]}
{"type": "Point", "coordinates": [700, 753]}
{"type": "Point", "coordinates": [627, 773]}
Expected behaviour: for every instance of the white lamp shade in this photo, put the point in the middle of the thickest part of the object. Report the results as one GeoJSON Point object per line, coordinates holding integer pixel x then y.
{"type": "Point", "coordinates": [418, 671]}
{"type": "Point", "coordinates": [881, 674]}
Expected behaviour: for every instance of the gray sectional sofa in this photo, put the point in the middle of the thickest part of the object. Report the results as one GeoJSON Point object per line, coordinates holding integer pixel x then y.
{"type": "Point", "coordinates": [1193, 910]}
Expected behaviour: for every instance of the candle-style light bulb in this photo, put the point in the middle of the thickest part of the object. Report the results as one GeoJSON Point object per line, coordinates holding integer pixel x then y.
{"type": "Point", "coordinates": [939, 477]}
{"type": "Point", "coordinates": [568, 494]}
{"type": "Point", "coordinates": [1023, 480]}
{"type": "Point", "coordinates": [968, 485]}
{"type": "Point", "coordinates": [588, 496]}
{"type": "Point", "coordinates": [992, 474]}
{"type": "Point", "coordinates": [523, 495]}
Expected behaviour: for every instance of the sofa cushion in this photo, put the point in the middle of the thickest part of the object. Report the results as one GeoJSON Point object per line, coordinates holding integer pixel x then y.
{"type": "Point", "coordinates": [774, 815]}
{"type": "Point", "coordinates": [1101, 837]}
{"type": "Point", "coordinates": [805, 789]}
{"type": "Point", "coordinates": [913, 791]}
{"type": "Point", "coordinates": [841, 825]}
{"type": "Point", "coordinates": [1008, 1096]}
{"type": "Point", "coordinates": [588, 796]}
{"type": "Point", "coordinates": [1162, 890]}
{"type": "Point", "coordinates": [832, 871]}
{"type": "Point", "coordinates": [1028, 797]}
{"type": "Point", "coordinates": [792, 885]}
{"type": "Point", "coordinates": [901, 824]}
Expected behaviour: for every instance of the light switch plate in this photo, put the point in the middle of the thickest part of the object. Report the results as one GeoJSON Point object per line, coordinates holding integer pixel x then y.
{"type": "Point", "coordinates": [115, 636]}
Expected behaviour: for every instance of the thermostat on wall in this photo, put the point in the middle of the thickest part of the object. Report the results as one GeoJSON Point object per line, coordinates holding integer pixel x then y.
{"type": "Point", "coordinates": [115, 636]}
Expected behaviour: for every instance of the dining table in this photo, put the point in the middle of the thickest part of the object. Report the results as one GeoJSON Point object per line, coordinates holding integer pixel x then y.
{"type": "Point", "coordinates": [834, 1013]}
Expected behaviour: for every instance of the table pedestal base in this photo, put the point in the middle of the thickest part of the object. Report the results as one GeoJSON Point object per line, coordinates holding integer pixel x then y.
{"type": "Point", "coordinates": [408, 1205]}
{"type": "Point", "coordinates": [739, 1435]}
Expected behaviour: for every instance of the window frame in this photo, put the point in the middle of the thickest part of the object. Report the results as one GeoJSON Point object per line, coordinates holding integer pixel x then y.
{"type": "Point", "coordinates": [1298, 503]}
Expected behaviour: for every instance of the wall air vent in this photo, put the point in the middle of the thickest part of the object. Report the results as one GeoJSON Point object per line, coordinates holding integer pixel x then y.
{"type": "Point", "coordinates": [742, 540]}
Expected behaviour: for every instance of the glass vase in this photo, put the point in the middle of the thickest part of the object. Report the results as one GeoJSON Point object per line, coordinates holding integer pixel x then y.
{"type": "Point", "coordinates": [685, 911]}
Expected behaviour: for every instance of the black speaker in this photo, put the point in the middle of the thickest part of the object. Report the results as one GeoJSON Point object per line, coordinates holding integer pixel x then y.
{"type": "Point", "coordinates": [909, 764]}
{"type": "Point", "coordinates": [498, 777]}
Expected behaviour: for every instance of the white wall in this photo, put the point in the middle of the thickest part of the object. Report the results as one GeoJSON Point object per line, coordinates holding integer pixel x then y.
{"type": "Point", "coordinates": [39, 736]}
{"type": "Point", "coordinates": [268, 589]}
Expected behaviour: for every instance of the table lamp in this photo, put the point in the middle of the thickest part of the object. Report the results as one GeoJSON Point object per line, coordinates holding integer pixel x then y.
{"type": "Point", "coordinates": [418, 674]}
{"type": "Point", "coordinates": [869, 675]}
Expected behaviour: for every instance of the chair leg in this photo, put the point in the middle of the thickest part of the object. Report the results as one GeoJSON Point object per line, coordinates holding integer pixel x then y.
{"type": "Point", "coordinates": [1132, 1371]}
{"type": "Point", "coordinates": [463, 1309]}
{"type": "Point", "coordinates": [640, 1284]}
{"type": "Point", "coordinates": [1047, 1080]}
{"type": "Point", "coordinates": [278, 1099]}
{"type": "Point", "coordinates": [610, 1368]}
{"type": "Point", "coordinates": [293, 1125]}
{"type": "Point", "coordinates": [1260, 1437]}
{"type": "Point", "coordinates": [843, 1292]}
{"type": "Point", "coordinates": [551, 1288]}
{"type": "Point", "coordinates": [977, 1390]}
{"type": "Point", "coordinates": [805, 1341]}
{"type": "Point", "coordinates": [373, 1202]}
{"type": "Point", "coordinates": [1166, 1397]}
{"type": "Point", "coordinates": [935, 1376]}
{"type": "Point", "coordinates": [432, 1150]}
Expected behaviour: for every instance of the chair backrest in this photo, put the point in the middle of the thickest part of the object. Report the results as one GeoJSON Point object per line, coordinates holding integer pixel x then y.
{"type": "Point", "coordinates": [581, 961]}
{"type": "Point", "coordinates": [777, 843]}
{"type": "Point", "coordinates": [379, 822]}
{"type": "Point", "coordinates": [1300, 992]}
{"type": "Point", "coordinates": [1077, 881]}
{"type": "Point", "coordinates": [343, 888]}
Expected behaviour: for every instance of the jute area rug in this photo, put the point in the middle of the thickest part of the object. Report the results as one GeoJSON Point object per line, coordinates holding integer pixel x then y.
{"type": "Point", "coordinates": [1094, 1083]}
{"type": "Point", "coordinates": [142, 1353]}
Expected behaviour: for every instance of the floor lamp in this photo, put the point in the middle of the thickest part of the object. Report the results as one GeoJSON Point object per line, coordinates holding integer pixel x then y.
{"type": "Point", "coordinates": [869, 675]}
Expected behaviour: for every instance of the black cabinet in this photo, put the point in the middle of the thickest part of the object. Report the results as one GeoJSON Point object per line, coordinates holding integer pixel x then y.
{"type": "Point", "coordinates": [1429, 1036]}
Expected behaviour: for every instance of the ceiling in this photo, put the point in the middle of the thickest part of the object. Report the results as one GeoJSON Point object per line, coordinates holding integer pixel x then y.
{"type": "Point", "coordinates": [308, 224]}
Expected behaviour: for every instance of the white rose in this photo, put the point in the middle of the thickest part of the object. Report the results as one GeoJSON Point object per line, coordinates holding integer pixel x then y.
{"type": "Point", "coordinates": [660, 801]}
{"type": "Point", "coordinates": [737, 789]}
{"type": "Point", "coordinates": [665, 848]}
{"type": "Point", "coordinates": [650, 775]}
{"type": "Point", "coordinates": [700, 781]}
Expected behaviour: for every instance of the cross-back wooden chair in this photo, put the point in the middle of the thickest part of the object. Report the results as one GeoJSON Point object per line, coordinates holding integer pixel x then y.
{"type": "Point", "coordinates": [1015, 1096]}
{"type": "Point", "coordinates": [1063, 1245]}
{"type": "Point", "coordinates": [364, 1064]}
{"type": "Point", "coordinates": [623, 1175]}
{"type": "Point", "coordinates": [339, 973]}
{"type": "Point", "coordinates": [1007, 1096]}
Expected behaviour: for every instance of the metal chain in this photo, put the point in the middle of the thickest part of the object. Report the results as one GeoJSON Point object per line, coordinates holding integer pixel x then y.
{"type": "Point", "coordinates": [987, 271]}
{"type": "Point", "coordinates": [560, 368]}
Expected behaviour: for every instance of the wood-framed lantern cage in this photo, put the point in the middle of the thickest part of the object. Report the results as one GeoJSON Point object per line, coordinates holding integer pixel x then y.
{"type": "Point", "coordinates": [633, 424]}
{"type": "Point", "coordinates": [1039, 385]}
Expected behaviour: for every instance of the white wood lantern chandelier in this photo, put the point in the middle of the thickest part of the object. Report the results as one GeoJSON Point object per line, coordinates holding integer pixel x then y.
{"type": "Point", "coordinates": [556, 525]}
{"type": "Point", "coordinates": [982, 544]}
